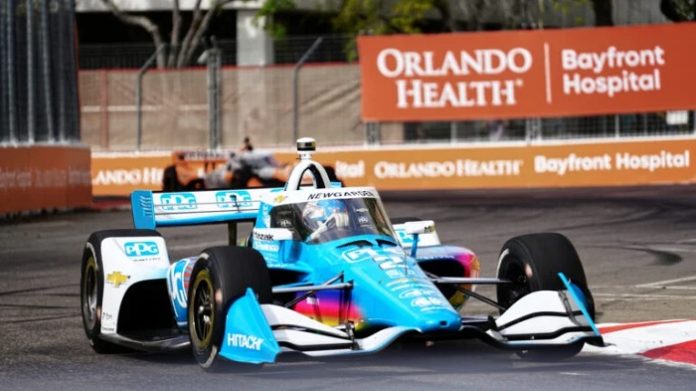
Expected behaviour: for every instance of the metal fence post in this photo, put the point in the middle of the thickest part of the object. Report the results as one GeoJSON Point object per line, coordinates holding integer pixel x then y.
{"type": "Point", "coordinates": [3, 75]}
{"type": "Point", "coordinates": [139, 95]}
{"type": "Point", "coordinates": [373, 133]}
{"type": "Point", "coordinates": [296, 89]}
{"type": "Point", "coordinates": [214, 61]}
{"type": "Point", "coordinates": [30, 70]}
{"type": "Point", "coordinates": [61, 83]}
{"type": "Point", "coordinates": [46, 68]}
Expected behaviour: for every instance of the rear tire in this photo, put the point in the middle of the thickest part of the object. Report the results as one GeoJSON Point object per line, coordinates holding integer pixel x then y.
{"type": "Point", "coordinates": [220, 276]}
{"type": "Point", "coordinates": [533, 262]}
{"type": "Point", "coordinates": [92, 287]}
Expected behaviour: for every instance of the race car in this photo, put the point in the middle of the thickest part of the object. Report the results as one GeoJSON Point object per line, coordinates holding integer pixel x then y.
{"type": "Point", "coordinates": [324, 272]}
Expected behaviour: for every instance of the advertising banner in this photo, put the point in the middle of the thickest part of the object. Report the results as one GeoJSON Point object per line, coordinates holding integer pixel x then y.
{"type": "Point", "coordinates": [609, 163]}
{"type": "Point", "coordinates": [652, 162]}
{"type": "Point", "coordinates": [519, 74]}
{"type": "Point", "coordinates": [121, 174]}
{"type": "Point", "coordinates": [44, 177]}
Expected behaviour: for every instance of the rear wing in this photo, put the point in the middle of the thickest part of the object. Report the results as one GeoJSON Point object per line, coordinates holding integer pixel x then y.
{"type": "Point", "coordinates": [152, 210]}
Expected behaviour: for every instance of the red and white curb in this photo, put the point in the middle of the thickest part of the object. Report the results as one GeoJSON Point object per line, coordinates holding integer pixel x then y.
{"type": "Point", "coordinates": [665, 341]}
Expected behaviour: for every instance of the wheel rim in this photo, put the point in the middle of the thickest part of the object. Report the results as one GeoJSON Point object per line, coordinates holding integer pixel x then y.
{"type": "Point", "coordinates": [202, 314]}
{"type": "Point", "coordinates": [520, 284]}
{"type": "Point", "coordinates": [89, 294]}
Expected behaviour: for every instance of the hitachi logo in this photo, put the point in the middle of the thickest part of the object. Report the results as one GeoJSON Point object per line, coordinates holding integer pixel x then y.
{"type": "Point", "coordinates": [244, 341]}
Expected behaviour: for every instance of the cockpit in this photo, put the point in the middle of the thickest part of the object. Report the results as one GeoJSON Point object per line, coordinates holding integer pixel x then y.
{"type": "Point", "coordinates": [324, 220]}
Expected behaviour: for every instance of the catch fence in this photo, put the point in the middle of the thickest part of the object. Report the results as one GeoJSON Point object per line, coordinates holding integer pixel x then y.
{"type": "Point", "coordinates": [38, 72]}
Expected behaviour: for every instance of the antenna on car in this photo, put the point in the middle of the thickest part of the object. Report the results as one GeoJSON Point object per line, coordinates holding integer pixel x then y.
{"type": "Point", "coordinates": [305, 147]}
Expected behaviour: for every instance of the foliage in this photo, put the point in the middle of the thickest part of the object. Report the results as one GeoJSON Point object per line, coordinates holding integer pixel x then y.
{"type": "Point", "coordinates": [377, 17]}
{"type": "Point", "coordinates": [266, 14]}
{"type": "Point", "coordinates": [679, 10]}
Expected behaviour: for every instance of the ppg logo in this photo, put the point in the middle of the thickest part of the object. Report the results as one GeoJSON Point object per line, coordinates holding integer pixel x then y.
{"type": "Point", "coordinates": [178, 201]}
{"type": "Point", "coordinates": [141, 249]}
{"type": "Point", "coordinates": [233, 199]}
{"type": "Point", "coordinates": [405, 238]}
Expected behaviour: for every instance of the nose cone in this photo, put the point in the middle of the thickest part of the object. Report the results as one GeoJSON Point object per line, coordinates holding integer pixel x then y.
{"type": "Point", "coordinates": [439, 321]}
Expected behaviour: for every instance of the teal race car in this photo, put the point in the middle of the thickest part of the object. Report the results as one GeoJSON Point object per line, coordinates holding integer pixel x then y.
{"type": "Point", "coordinates": [323, 272]}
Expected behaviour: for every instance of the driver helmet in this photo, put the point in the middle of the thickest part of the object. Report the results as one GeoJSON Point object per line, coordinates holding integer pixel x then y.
{"type": "Point", "coordinates": [318, 213]}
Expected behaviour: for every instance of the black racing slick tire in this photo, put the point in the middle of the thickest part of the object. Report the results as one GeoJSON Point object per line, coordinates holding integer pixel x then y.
{"type": "Point", "coordinates": [532, 262]}
{"type": "Point", "coordinates": [92, 287]}
{"type": "Point", "coordinates": [219, 277]}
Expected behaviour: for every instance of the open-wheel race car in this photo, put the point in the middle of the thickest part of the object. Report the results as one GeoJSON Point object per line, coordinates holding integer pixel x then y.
{"type": "Point", "coordinates": [324, 272]}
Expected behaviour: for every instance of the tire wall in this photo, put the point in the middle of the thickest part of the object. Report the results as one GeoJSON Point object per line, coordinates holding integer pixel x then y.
{"type": "Point", "coordinates": [35, 178]}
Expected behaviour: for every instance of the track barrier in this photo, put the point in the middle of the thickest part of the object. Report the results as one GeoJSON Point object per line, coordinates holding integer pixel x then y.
{"type": "Point", "coordinates": [574, 164]}
{"type": "Point", "coordinates": [44, 177]}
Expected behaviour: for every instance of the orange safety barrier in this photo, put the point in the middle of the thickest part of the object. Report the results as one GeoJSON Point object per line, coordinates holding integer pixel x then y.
{"type": "Point", "coordinates": [520, 74]}
{"type": "Point", "coordinates": [44, 177]}
{"type": "Point", "coordinates": [608, 163]}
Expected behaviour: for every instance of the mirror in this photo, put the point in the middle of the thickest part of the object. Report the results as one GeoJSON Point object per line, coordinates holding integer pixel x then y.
{"type": "Point", "coordinates": [419, 227]}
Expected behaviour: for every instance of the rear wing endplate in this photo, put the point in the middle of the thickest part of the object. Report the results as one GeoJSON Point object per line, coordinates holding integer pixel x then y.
{"type": "Point", "coordinates": [152, 210]}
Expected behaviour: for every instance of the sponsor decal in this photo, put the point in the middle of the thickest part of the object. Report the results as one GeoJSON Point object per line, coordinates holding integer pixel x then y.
{"type": "Point", "coordinates": [447, 169]}
{"type": "Point", "coordinates": [178, 285]}
{"type": "Point", "coordinates": [141, 249]}
{"type": "Point", "coordinates": [404, 238]}
{"type": "Point", "coordinates": [612, 71]}
{"type": "Point", "coordinates": [525, 73]}
{"type": "Point", "coordinates": [404, 66]}
{"type": "Point", "coordinates": [387, 260]}
{"type": "Point", "coordinates": [341, 194]}
{"type": "Point", "coordinates": [262, 236]}
{"type": "Point", "coordinates": [133, 177]}
{"type": "Point", "coordinates": [607, 162]}
{"type": "Point", "coordinates": [280, 198]}
{"type": "Point", "coordinates": [350, 170]}
{"type": "Point", "coordinates": [233, 199]}
{"type": "Point", "coordinates": [244, 341]}
{"type": "Point", "coordinates": [177, 201]}
{"type": "Point", "coordinates": [426, 302]}
{"type": "Point", "coordinates": [266, 246]}
{"type": "Point", "coordinates": [117, 278]}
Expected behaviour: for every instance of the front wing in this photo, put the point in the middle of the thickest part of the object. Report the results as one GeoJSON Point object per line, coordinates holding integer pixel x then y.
{"type": "Point", "coordinates": [539, 320]}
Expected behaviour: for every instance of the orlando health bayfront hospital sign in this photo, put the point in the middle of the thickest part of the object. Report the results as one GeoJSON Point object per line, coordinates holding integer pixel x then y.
{"type": "Point", "coordinates": [540, 73]}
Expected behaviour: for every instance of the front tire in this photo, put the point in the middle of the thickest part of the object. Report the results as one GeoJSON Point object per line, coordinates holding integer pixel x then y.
{"type": "Point", "coordinates": [532, 262]}
{"type": "Point", "coordinates": [220, 276]}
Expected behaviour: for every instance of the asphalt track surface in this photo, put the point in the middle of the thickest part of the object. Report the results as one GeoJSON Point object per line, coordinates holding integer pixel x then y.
{"type": "Point", "coordinates": [630, 240]}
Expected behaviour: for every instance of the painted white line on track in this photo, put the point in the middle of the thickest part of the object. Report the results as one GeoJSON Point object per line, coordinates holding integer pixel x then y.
{"type": "Point", "coordinates": [660, 284]}
{"type": "Point", "coordinates": [642, 296]}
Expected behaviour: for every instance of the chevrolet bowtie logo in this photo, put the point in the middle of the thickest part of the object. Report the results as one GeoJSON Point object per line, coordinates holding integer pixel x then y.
{"type": "Point", "coordinates": [116, 279]}
{"type": "Point", "coordinates": [280, 199]}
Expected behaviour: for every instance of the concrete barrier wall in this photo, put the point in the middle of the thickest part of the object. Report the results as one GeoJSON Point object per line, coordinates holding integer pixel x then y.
{"type": "Point", "coordinates": [38, 177]}
{"type": "Point", "coordinates": [606, 163]}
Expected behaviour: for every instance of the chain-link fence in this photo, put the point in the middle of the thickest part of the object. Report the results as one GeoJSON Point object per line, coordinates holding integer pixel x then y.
{"type": "Point", "coordinates": [678, 123]}
{"type": "Point", "coordinates": [38, 100]}
{"type": "Point", "coordinates": [287, 50]}
{"type": "Point", "coordinates": [257, 102]}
